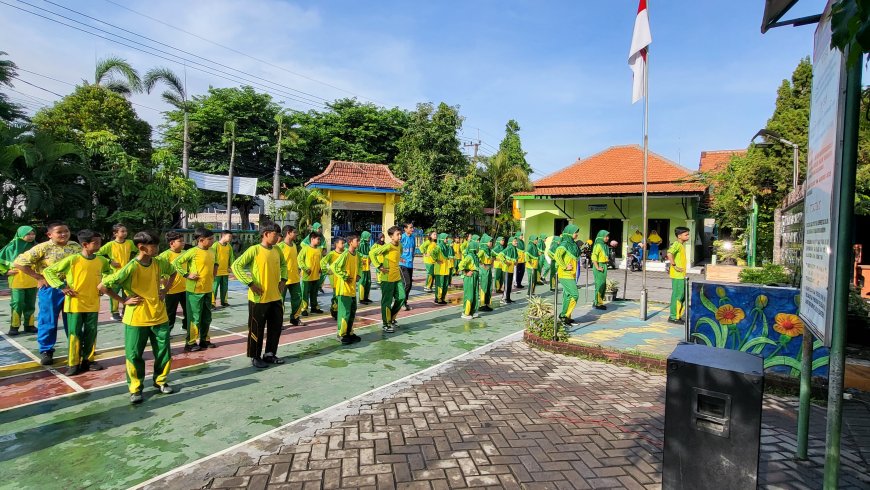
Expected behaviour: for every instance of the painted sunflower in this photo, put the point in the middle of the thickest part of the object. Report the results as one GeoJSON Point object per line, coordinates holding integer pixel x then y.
{"type": "Point", "coordinates": [729, 315]}
{"type": "Point", "coordinates": [788, 324]}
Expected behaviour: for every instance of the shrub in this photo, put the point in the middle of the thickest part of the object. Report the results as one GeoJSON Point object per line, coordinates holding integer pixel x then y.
{"type": "Point", "coordinates": [767, 274]}
{"type": "Point", "coordinates": [540, 320]}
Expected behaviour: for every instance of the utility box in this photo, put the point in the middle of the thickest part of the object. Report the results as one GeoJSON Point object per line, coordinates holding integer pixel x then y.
{"type": "Point", "coordinates": [712, 418]}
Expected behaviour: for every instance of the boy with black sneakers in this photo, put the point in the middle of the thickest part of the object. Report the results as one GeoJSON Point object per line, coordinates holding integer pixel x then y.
{"type": "Point", "coordinates": [365, 273]}
{"type": "Point", "coordinates": [309, 263]}
{"type": "Point", "coordinates": [119, 251]}
{"type": "Point", "coordinates": [144, 281]}
{"type": "Point", "coordinates": [176, 294]}
{"type": "Point", "coordinates": [345, 273]}
{"type": "Point", "coordinates": [385, 258]}
{"type": "Point", "coordinates": [198, 266]}
{"type": "Point", "coordinates": [78, 276]}
{"type": "Point", "coordinates": [293, 288]}
{"type": "Point", "coordinates": [326, 268]}
{"type": "Point", "coordinates": [223, 257]}
{"type": "Point", "coordinates": [263, 269]}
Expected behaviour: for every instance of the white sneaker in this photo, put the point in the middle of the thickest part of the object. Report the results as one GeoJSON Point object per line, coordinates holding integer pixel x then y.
{"type": "Point", "coordinates": [476, 315]}
{"type": "Point", "coordinates": [466, 317]}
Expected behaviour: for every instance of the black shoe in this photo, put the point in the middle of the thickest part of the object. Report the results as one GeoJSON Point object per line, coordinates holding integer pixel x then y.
{"type": "Point", "coordinates": [566, 320]}
{"type": "Point", "coordinates": [365, 302]}
{"type": "Point", "coordinates": [676, 321]}
{"type": "Point", "coordinates": [13, 331]}
{"type": "Point", "coordinates": [321, 291]}
{"type": "Point", "coordinates": [30, 329]}
{"type": "Point", "coordinates": [407, 308]}
{"type": "Point", "coordinates": [207, 344]}
{"type": "Point", "coordinates": [518, 287]}
{"type": "Point", "coordinates": [333, 314]}
{"type": "Point", "coordinates": [46, 358]}
{"type": "Point", "coordinates": [304, 312]}
{"type": "Point", "coordinates": [388, 328]}
{"type": "Point", "coordinates": [508, 301]}
{"type": "Point", "coordinates": [316, 311]}
{"type": "Point", "coordinates": [600, 307]}
{"type": "Point", "coordinates": [191, 348]}
{"type": "Point", "coordinates": [272, 359]}
{"type": "Point", "coordinates": [73, 370]}
{"type": "Point", "coordinates": [136, 398]}
{"type": "Point", "coordinates": [225, 305]}
{"type": "Point", "coordinates": [258, 363]}
{"type": "Point", "coordinates": [485, 308]}
{"type": "Point", "coordinates": [164, 388]}
{"type": "Point", "coordinates": [117, 317]}
{"type": "Point", "coordinates": [346, 340]}
{"type": "Point", "coordinates": [295, 322]}
{"type": "Point", "coordinates": [92, 366]}
{"type": "Point", "coordinates": [356, 338]}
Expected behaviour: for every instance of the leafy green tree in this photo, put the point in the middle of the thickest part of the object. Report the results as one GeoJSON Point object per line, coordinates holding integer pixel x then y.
{"type": "Point", "coordinates": [309, 206]}
{"type": "Point", "coordinates": [766, 173]}
{"type": "Point", "coordinates": [442, 188]}
{"type": "Point", "coordinates": [106, 71]}
{"type": "Point", "coordinates": [501, 178]}
{"type": "Point", "coordinates": [8, 111]}
{"type": "Point", "coordinates": [176, 96]}
{"type": "Point", "coordinates": [512, 147]}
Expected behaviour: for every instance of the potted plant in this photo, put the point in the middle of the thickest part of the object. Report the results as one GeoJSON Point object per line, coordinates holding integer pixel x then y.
{"type": "Point", "coordinates": [611, 289]}
{"type": "Point", "coordinates": [540, 320]}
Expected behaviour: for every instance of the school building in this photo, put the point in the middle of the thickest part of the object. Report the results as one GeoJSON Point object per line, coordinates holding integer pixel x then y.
{"type": "Point", "coordinates": [604, 192]}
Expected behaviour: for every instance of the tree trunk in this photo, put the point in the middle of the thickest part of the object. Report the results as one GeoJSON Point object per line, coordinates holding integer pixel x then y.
{"type": "Point", "coordinates": [276, 182]}
{"type": "Point", "coordinates": [230, 186]}
{"type": "Point", "coordinates": [245, 208]}
{"type": "Point", "coordinates": [185, 159]}
{"type": "Point", "coordinates": [494, 203]}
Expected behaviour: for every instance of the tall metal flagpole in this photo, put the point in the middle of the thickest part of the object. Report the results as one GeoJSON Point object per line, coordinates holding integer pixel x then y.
{"type": "Point", "coordinates": [643, 291]}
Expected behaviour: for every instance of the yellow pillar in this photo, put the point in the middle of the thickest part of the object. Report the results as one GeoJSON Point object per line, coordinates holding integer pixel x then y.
{"type": "Point", "coordinates": [326, 220]}
{"type": "Point", "coordinates": [389, 213]}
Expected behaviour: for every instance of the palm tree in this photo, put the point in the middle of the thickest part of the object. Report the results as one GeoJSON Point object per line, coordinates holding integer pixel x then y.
{"type": "Point", "coordinates": [230, 133]}
{"type": "Point", "coordinates": [309, 206]}
{"type": "Point", "coordinates": [113, 65]}
{"type": "Point", "coordinates": [505, 179]}
{"type": "Point", "coordinates": [8, 110]}
{"type": "Point", "coordinates": [176, 96]}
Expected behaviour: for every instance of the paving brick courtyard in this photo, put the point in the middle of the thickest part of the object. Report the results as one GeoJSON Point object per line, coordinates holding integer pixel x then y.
{"type": "Point", "coordinates": [513, 417]}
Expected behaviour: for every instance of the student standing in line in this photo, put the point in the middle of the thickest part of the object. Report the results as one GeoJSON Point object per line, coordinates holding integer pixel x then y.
{"type": "Point", "coordinates": [508, 258]}
{"type": "Point", "coordinates": [198, 266]}
{"type": "Point", "coordinates": [565, 261]}
{"type": "Point", "coordinates": [365, 273]}
{"type": "Point", "coordinates": [50, 300]}
{"type": "Point", "coordinates": [520, 270]}
{"type": "Point", "coordinates": [293, 288]}
{"type": "Point", "coordinates": [677, 261]}
{"type": "Point", "coordinates": [497, 267]}
{"type": "Point", "coordinates": [554, 268]}
{"type": "Point", "coordinates": [79, 277]}
{"type": "Point", "coordinates": [486, 265]}
{"type": "Point", "coordinates": [442, 268]}
{"type": "Point", "coordinates": [176, 294]}
{"type": "Point", "coordinates": [469, 266]}
{"type": "Point", "coordinates": [23, 298]}
{"type": "Point", "coordinates": [345, 276]}
{"type": "Point", "coordinates": [223, 256]}
{"type": "Point", "coordinates": [386, 258]}
{"type": "Point", "coordinates": [325, 268]}
{"type": "Point", "coordinates": [309, 263]}
{"type": "Point", "coordinates": [144, 281]}
{"type": "Point", "coordinates": [532, 262]}
{"type": "Point", "coordinates": [409, 246]}
{"type": "Point", "coordinates": [263, 269]}
{"type": "Point", "coordinates": [600, 258]}
{"type": "Point", "coordinates": [430, 243]}
{"type": "Point", "coordinates": [119, 251]}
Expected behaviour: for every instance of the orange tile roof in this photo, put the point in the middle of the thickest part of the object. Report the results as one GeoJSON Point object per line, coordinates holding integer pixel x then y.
{"type": "Point", "coordinates": [716, 160]}
{"type": "Point", "coordinates": [618, 170]}
{"type": "Point", "coordinates": [357, 174]}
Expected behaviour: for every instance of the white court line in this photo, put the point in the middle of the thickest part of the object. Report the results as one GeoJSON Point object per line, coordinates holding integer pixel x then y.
{"type": "Point", "coordinates": [319, 412]}
{"type": "Point", "coordinates": [72, 384]}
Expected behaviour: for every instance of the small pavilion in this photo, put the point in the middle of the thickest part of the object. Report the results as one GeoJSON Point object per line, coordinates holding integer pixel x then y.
{"type": "Point", "coordinates": [357, 186]}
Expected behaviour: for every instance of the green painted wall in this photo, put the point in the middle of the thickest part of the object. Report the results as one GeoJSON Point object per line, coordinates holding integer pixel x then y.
{"type": "Point", "coordinates": [539, 215]}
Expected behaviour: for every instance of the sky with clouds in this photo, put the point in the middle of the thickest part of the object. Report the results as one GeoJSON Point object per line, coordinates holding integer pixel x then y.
{"type": "Point", "coordinates": [558, 67]}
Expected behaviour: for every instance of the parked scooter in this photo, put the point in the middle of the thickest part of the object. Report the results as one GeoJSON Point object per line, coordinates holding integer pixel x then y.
{"type": "Point", "coordinates": [634, 257]}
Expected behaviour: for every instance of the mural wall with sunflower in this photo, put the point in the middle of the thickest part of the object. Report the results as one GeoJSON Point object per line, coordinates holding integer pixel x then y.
{"type": "Point", "coordinates": [756, 319]}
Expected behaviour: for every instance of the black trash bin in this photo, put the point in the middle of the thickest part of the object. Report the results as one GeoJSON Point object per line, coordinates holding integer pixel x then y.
{"type": "Point", "coordinates": [712, 418]}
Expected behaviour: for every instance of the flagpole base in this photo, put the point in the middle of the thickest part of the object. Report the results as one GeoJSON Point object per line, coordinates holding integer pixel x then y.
{"type": "Point", "coordinates": [643, 304]}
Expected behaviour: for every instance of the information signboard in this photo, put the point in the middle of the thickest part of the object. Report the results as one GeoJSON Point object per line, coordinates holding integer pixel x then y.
{"type": "Point", "coordinates": [823, 183]}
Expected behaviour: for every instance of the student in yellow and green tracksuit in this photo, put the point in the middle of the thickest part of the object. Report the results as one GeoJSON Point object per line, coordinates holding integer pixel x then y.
{"type": "Point", "coordinates": [385, 258]}
{"type": "Point", "coordinates": [293, 286]}
{"type": "Point", "coordinates": [79, 277]}
{"type": "Point", "coordinates": [119, 251]}
{"type": "Point", "coordinates": [223, 257]}
{"type": "Point", "coordinates": [176, 293]}
{"type": "Point", "coordinates": [263, 269]}
{"type": "Point", "coordinates": [677, 261]}
{"type": "Point", "coordinates": [532, 262]}
{"type": "Point", "coordinates": [455, 257]}
{"type": "Point", "coordinates": [23, 297]}
{"type": "Point", "coordinates": [469, 267]}
{"type": "Point", "coordinates": [143, 279]}
{"type": "Point", "coordinates": [484, 254]}
{"type": "Point", "coordinates": [197, 265]}
{"type": "Point", "coordinates": [565, 260]}
{"type": "Point", "coordinates": [345, 274]}
{"type": "Point", "coordinates": [520, 269]}
{"type": "Point", "coordinates": [365, 273]}
{"type": "Point", "coordinates": [317, 228]}
{"type": "Point", "coordinates": [600, 257]}
{"type": "Point", "coordinates": [497, 272]}
{"type": "Point", "coordinates": [426, 248]}
{"type": "Point", "coordinates": [325, 268]}
{"type": "Point", "coordinates": [554, 268]}
{"type": "Point", "coordinates": [309, 263]}
{"type": "Point", "coordinates": [508, 258]}
{"type": "Point", "coordinates": [441, 260]}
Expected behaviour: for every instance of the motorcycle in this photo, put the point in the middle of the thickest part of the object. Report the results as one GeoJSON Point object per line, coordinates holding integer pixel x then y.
{"type": "Point", "coordinates": [633, 258]}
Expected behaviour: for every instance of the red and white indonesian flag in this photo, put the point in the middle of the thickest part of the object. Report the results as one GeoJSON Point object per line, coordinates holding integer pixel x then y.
{"type": "Point", "coordinates": [637, 55]}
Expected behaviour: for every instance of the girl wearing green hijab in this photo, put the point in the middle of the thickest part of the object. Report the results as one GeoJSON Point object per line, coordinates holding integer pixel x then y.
{"type": "Point", "coordinates": [565, 258]}
{"type": "Point", "coordinates": [498, 275]}
{"type": "Point", "coordinates": [554, 268]}
{"type": "Point", "coordinates": [600, 257]}
{"type": "Point", "coordinates": [485, 275]}
{"type": "Point", "coordinates": [24, 287]}
{"type": "Point", "coordinates": [469, 267]}
{"type": "Point", "coordinates": [441, 261]}
{"type": "Point", "coordinates": [508, 258]}
{"type": "Point", "coordinates": [365, 273]}
{"type": "Point", "coordinates": [521, 259]}
{"type": "Point", "coordinates": [532, 263]}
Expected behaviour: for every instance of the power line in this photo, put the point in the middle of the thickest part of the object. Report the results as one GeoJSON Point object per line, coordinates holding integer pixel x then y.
{"type": "Point", "coordinates": [37, 86]}
{"type": "Point", "coordinates": [244, 54]}
{"type": "Point", "coordinates": [68, 83]}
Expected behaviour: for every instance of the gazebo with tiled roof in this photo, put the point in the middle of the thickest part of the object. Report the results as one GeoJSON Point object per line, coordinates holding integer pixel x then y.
{"type": "Point", "coordinates": [357, 186]}
{"type": "Point", "coordinates": [604, 191]}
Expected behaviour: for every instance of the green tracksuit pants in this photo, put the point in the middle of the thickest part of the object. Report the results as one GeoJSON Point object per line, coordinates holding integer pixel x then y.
{"type": "Point", "coordinates": [364, 285]}
{"type": "Point", "coordinates": [485, 287]}
{"type": "Point", "coordinates": [441, 285]}
{"type": "Point", "coordinates": [82, 329]}
{"type": "Point", "coordinates": [199, 309]}
{"type": "Point", "coordinates": [570, 295]}
{"type": "Point", "coordinates": [470, 291]}
{"type": "Point", "coordinates": [678, 297]}
{"type": "Point", "coordinates": [220, 284]}
{"type": "Point", "coordinates": [533, 280]}
{"type": "Point", "coordinates": [135, 340]}
{"type": "Point", "coordinates": [309, 294]}
{"type": "Point", "coordinates": [172, 301]}
{"type": "Point", "coordinates": [23, 305]}
{"type": "Point", "coordinates": [430, 276]}
{"type": "Point", "coordinates": [600, 284]}
{"type": "Point", "coordinates": [392, 299]}
{"type": "Point", "coordinates": [295, 292]}
{"type": "Point", "coordinates": [498, 275]}
{"type": "Point", "coordinates": [113, 305]}
{"type": "Point", "coordinates": [554, 275]}
{"type": "Point", "coordinates": [346, 314]}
